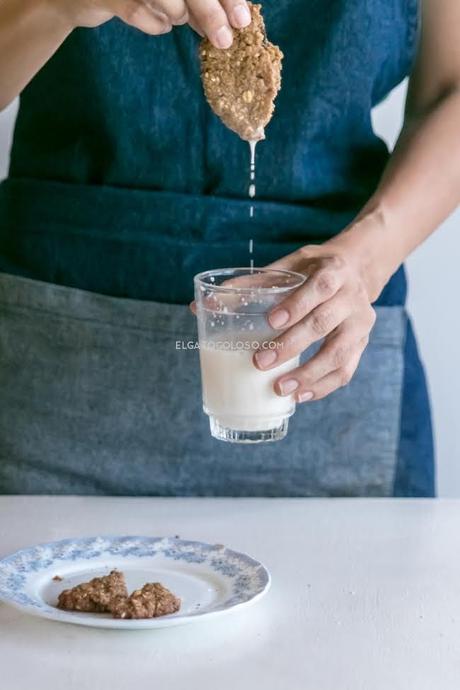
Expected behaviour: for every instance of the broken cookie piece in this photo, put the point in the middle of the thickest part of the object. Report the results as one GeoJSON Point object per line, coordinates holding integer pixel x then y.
{"type": "Point", "coordinates": [94, 596]}
{"type": "Point", "coordinates": [241, 83]}
{"type": "Point", "coordinates": [109, 595]}
{"type": "Point", "coordinates": [152, 601]}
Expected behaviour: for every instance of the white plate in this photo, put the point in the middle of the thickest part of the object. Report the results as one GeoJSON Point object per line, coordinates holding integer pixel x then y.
{"type": "Point", "coordinates": [209, 578]}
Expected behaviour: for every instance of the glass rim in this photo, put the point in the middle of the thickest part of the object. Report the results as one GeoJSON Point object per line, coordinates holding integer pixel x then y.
{"type": "Point", "coordinates": [200, 280]}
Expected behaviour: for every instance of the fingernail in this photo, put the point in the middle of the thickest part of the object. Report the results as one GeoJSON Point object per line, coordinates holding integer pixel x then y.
{"type": "Point", "coordinates": [224, 37]}
{"type": "Point", "coordinates": [288, 386]}
{"type": "Point", "coordinates": [266, 358]}
{"type": "Point", "coordinates": [241, 16]}
{"type": "Point", "coordinates": [279, 318]}
{"type": "Point", "coordinates": [304, 397]}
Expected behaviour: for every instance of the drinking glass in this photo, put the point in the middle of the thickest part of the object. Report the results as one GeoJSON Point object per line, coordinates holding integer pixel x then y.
{"type": "Point", "coordinates": [232, 309]}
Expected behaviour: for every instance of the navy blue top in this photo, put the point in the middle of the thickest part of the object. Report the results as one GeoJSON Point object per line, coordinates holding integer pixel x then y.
{"type": "Point", "coordinates": [124, 182]}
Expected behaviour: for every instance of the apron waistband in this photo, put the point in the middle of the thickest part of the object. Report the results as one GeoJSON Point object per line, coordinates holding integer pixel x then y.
{"type": "Point", "coordinates": [143, 314]}
{"type": "Point", "coordinates": [117, 212]}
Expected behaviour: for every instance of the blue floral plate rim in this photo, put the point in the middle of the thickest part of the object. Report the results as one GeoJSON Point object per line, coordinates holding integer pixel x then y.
{"type": "Point", "coordinates": [22, 574]}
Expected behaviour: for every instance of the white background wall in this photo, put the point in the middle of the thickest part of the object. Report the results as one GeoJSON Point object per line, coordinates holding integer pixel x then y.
{"type": "Point", "coordinates": [434, 288]}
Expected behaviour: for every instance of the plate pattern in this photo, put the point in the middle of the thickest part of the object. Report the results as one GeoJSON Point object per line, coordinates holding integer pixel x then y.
{"type": "Point", "coordinates": [246, 578]}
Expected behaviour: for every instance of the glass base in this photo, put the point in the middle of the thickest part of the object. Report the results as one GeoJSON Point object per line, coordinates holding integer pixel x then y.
{"type": "Point", "coordinates": [223, 433]}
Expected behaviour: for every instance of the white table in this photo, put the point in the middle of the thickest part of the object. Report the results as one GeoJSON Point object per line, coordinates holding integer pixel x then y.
{"type": "Point", "coordinates": [365, 595]}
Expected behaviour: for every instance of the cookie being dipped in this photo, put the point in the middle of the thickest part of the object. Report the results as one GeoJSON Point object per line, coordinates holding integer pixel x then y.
{"type": "Point", "coordinates": [242, 82]}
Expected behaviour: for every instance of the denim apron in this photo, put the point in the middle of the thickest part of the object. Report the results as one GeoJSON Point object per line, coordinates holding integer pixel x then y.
{"type": "Point", "coordinates": [122, 185]}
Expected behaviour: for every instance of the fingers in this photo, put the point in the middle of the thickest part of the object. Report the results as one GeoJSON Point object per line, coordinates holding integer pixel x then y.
{"type": "Point", "coordinates": [140, 15]}
{"type": "Point", "coordinates": [331, 382]}
{"type": "Point", "coordinates": [175, 10]}
{"type": "Point", "coordinates": [332, 304]}
{"type": "Point", "coordinates": [208, 17]}
{"type": "Point", "coordinates": [321, 375]}
{"type": "Point", "coordinates": [212, 19]}
{"type": "Point", "coordinates": [316, 326]}
{"type": "Point", "coordinates": [237, 12]}
{"type": "Point", "coordinates": [332, 366]}
{"type": "Point", "coordinates": [322, 284]}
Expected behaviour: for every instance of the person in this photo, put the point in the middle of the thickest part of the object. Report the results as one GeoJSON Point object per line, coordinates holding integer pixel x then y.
{"type": "Point", "coordinates": [123, 185]}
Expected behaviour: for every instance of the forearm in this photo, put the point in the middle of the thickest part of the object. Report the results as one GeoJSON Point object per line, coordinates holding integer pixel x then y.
{"type": "Point", "coordinates": [419, 189]}
{"type": "Point", "coordinates": [30, 33]}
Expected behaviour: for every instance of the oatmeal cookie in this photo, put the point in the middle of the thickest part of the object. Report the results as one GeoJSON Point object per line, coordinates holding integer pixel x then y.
{"type": "Point", "coordinates": [241, 83]}
{"type": "Point", "coordinates": [94, 596]}
{"type": "Point", "coordinates": [152, 601]}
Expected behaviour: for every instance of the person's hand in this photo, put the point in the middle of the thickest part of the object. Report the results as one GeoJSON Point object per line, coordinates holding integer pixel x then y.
{"type": "Point", "coordinates": [333, 304]}
{"type": "Point", "coordinates": [213, 18]}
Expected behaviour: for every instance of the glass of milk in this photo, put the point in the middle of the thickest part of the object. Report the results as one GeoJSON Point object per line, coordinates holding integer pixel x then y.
{"type": "Point", "coordinates": [232, 310]}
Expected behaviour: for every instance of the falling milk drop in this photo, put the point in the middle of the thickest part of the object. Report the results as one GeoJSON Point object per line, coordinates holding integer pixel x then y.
{"type": "Point", "coordinates": [251, 250]}
{"type": "Point", "coordinates": [252, 193]}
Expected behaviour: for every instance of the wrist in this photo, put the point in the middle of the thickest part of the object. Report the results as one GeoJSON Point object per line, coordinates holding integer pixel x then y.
{"type": "Point", "coordinates": [371, 244]}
